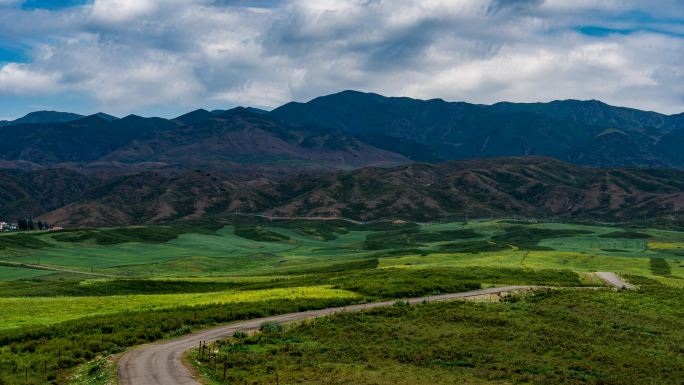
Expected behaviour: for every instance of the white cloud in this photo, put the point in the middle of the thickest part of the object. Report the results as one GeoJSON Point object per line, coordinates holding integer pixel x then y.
{"type": "Point", "coordinates": [22, 79]}
{"type": "Point", "coordinates": [122, 10]}
{"type": "Point", "coordinates": [127, 54]}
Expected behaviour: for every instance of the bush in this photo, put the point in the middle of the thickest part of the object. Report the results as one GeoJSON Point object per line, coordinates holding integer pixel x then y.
{"type": "Point", "coordinates": [401, 303]}
{"type": "Point", "coordinates": [185, 329]}
{"type": "Point", "coordinates": [271, 327]}
{"type": "Point", "coordinates": [240, 334]}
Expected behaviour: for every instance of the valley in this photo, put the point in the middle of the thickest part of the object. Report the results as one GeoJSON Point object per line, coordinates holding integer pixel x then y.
{"type": "Point", "coordinates": [142, 284]}
{"type": "Point", "coordinates": [281, 192]}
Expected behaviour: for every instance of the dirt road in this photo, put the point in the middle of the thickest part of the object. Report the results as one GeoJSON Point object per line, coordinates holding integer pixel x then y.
{"type": "Point", "coordinates": [614, 280]}
{"type": "Point", "coordinates": [55, 269]}
{"type": "Point", "coordinates": [161, 363]}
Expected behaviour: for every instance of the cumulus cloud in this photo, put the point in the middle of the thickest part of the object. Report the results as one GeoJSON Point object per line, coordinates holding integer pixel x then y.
{"type": "Point", "coordinates": [22, 79]}
{"type": "Point", "coordinates": [138, 54]}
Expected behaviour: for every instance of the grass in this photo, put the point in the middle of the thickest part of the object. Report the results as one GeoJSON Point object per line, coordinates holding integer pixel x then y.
{"type": "Point", "coordinates": [19, 312]}
{"type": "Point", "coordinates": [61, 347]}
{"type": "Point", "coordinates": [566, 337]}
{"type": "Point", "coordinates": [666, 245]}
{"type": "Point", "coordinates": [8, 273]}
{"type": "Point", "coordinates": [164, 281]}
{"type": "Point", "coordinates": [259, 234]}
{"type": "Point", "coordinates": [626, 235]}
{"type": "Point", "coordinates": [142, 234]}
{"type": "Point", "coordinates": [292, 247]}
{"type": "Point", "coordinates": [100, 371]}
{"type": "Point", "coordinates": [659, 266]}
{"type": "Point", "coordinates": [8, 243]}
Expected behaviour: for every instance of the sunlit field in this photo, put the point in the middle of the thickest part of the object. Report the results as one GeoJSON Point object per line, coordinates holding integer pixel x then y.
{"type": "Point", "coordinates": [50, 310]}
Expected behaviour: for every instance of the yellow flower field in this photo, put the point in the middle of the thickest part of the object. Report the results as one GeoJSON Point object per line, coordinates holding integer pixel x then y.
{"type": "Point", "coordinates": [28, 311]}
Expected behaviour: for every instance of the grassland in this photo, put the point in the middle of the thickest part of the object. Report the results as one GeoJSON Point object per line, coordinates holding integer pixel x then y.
{"type": "Point", "coordinates": [9, 273]}
{"type": "Point", "coordinates": [287, 247]}
{"type": "Point", "coordinates": [160, 281]}
{"type": "Point", "coordinates": [51, 310]}
{"type": "Point", "coordinates": [565, 337]}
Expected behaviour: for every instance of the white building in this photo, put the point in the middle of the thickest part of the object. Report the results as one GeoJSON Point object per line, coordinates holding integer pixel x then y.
{"type": "Point", "coordinates": [4, 226]}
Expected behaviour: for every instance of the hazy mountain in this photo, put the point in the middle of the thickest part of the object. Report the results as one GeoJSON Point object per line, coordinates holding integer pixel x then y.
{"type": "Point", "coordinates": [83, 140]}
{"type": "Point", "coordinates": [216, 140]}
{"type": "Point", "coordinates": [194, 116]}
{"type": "Point", "coordinates": [582, 132]}
{"type": "Point", "coordinates": [39, 117]}
{"type": "Point", "coordinates": [257, 110]}
{"type": "Point", "coordinates": [107, 117]}
{"type": "Point", "coordinates": [241, 136]}
{"type": "Point", "coordinates": [411, 149]}
{"type": "Point", "coordinates": [342, 131]}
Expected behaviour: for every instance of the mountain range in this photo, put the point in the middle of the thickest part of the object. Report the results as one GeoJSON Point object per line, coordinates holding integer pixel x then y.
{"type": "Point", "coordinates": [581, 132]}
{"type": "Point", "coordinates": [528, 187]}
{"type": "Point", "coordinates": [350, 154]}
{"type": "Point", "coordinates": [346, 130]}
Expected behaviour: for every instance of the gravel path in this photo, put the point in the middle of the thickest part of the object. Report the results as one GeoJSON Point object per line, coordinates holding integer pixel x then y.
{"type": "Point", "coordinates": [614, 280]}
{"type": "Point", "coordinates": [162, 363]}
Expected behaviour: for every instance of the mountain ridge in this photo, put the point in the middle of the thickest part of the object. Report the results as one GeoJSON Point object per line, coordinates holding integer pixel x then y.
{"type": "Point", "coordinates": [346, 130]}
{"type": "Point", "coordinates": [530, 187]}
{"type": "Point", "coordinates": [564, 129]}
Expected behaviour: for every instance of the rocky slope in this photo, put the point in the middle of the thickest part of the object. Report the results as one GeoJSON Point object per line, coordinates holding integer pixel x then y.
{"type": "Point", "coordinates": [530, 187]}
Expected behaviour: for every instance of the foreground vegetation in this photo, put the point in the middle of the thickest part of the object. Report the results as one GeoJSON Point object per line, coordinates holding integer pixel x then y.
{"type": "Point", "coordinates": [48, 349]}
{"type": "Point", "coordinates": [557, 337]}
{"type": "Point", "coordinates": [43, 354]}
{"type": "Point", "coordinates": [76, 297]}
{"type": "Point", "coordinates": [51, 310]}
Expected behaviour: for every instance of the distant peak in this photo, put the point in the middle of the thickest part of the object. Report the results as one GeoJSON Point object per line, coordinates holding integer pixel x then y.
{"type": "Point", "coordinates": [194, 116]}
{"type": "Point", "coordinates": [258, 110]}
{"type": "Point", "coordinates": [132, 117]}
{"type": "Point", "coordinates": [47, 117]}
{"type": "Point", "coordinates": [105, 117]}
{"type": "Point", "coordinates": [238, 111]}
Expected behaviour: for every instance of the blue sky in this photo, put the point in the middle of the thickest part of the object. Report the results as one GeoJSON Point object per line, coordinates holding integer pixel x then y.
{"type": "Point", "coordinates": [154, 57]}
{"type": "Point", "coordinates": [52, 4]}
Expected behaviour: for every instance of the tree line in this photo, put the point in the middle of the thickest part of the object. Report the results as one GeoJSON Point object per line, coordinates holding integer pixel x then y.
{"type": "Point", "coordinates": [30, 224]}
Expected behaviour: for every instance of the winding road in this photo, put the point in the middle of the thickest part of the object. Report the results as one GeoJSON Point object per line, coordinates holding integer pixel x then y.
{"type": "Point", "coordinates": [162, 363]}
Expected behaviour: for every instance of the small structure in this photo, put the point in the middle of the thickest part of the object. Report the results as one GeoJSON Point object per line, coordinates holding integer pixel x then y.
{"type": "Point", "coordinates": [4, 226]}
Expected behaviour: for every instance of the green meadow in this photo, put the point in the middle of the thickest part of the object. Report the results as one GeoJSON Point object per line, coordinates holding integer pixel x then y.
{"type": "Point", "coordinates": [291, 247]}
{"type": "Point", "coordinates": [558, 337]}
{"type": "Point", "coordinates": [72, 297]}
{"type": "Point", "coordinates": [51, 310]}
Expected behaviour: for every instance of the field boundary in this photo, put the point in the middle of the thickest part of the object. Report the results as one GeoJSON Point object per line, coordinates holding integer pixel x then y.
{"type": "Point", "coordinates": [20, 265]}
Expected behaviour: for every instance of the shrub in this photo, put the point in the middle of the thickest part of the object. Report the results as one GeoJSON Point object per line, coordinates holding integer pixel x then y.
{"type": "Point", "coordinates": [240, 334]}
{"type": "Point", "coordinates": [272, 327]}
{"type": "Point", "coordinates": [185, 329]}
{"type": "Point", "coordinates": [401, 303]}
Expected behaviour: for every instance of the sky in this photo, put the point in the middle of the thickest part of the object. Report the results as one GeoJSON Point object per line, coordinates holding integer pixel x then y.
{"type": "Point", "coordinates": [168, 57]}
